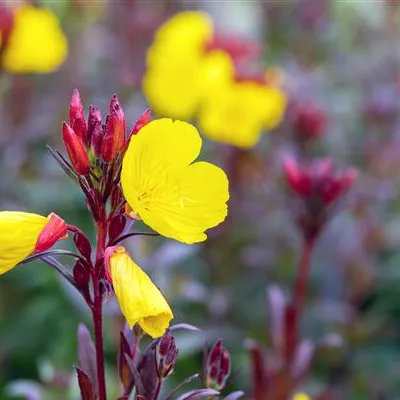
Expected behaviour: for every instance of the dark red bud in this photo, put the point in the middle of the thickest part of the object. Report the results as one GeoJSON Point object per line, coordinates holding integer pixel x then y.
{"type": "Point", "coordinates": [225, 366]}
{"type": "Point", "coordinates": [76, 150]}
{"type": "Point", "coordinates": [96, 139]}
{"type": "Point", "coordinates": [114, 136]}
{"type": "Point", "coordinates": [143, 120]}
{"type": "Point", "coordinates": [77, 116]}
{"type": "Point", "coordinates": [299, 182]}
{"type": "Point", "coordinates": [218, 366]}
{"type": "Point", "coordinates": [166, 354]}
{"type": "Point", "coordinates": [54, 230]}
{"type": "Point", "coordinates": [83, 245]}
{"type": "Point", "coordinates": [309, 121]}
{"type": "Point", "coordinates": [94, 120]}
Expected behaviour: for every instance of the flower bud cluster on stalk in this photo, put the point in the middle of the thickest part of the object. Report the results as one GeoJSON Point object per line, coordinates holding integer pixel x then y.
{"type": "Point", "coordinates": [123, 174]}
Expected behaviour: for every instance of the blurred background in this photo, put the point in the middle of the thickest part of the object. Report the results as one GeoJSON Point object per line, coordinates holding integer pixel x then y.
{"type": "Point", "coordinates": [340, 62]}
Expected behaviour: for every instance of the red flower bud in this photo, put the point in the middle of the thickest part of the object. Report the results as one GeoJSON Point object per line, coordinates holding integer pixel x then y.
{"type": "Point", "coordinates": [114, 136]}
{"type": "Point", "coordinates": [96, 139]}
{"type": "Point", "coordinates": [309, 121]}
{"type": "Point", "coordinates": [54, 230]}
{"type": "Point", "coordinates": [319, 186]}
{"type": "Point", "coordinates": [76, 150]}
{"type": "Point", "coordinates": [94, 120]}
{"type": "Point", "coordinates": [218, 366]}
{"type": "Point", "coordinates": [143, 120]}
{"type": "Point", "coordinates": [166, 354]}
{"type": "Point", "coordinates": [77, 116]}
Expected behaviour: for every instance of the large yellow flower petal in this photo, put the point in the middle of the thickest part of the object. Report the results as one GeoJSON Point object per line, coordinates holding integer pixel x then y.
{"type": "Point", "coordinates": [196, 202]}
{"type": "Point", "coordinates": [36, 42]}
{"type": "Point", "coordinates": [19, 232]}
{"type": "Point", "coordinates": [177, 199]}
{"type": "Point", "coordinates": [140, 300]}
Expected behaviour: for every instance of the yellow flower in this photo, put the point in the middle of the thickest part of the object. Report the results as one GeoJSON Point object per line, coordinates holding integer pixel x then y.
{"type": "Point", "coordinates": [301, 396]}
{"type": "Point", "coordinates": [238, 112]}
{"type": "Point", "coordinates": [178, 67]}
{"type": "Point", "coordinates": [175, 196]}
{"type": "Point", "coordinates": [22, 234]}
{"type": "Point", "coordinates": [36, 42]}
{"type": "Point", "coordinates": [140, 300]}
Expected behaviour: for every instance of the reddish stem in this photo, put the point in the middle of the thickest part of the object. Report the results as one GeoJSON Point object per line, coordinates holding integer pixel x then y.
{"type": "Point", "coordinates": [97, 309]}
{"type": "Point", "coordinates": [295, 309]}
{"type": "Point", "coordinates": [300, 290]}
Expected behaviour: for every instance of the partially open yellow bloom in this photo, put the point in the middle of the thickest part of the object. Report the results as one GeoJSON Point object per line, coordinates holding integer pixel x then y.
{"type": "Point", "coordinates": [22, 234]}
{"type": "Point", "coordinates": [301, 396]}
{"type": "Point", "coordinates": [175, 196]}
{"type": "Point", "coordinates": [140, 300]}
{"type": "Point", "coordinates": [36, 43]}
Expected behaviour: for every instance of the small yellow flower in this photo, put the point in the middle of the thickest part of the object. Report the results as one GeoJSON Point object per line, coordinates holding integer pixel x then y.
{"type": "Point", "coordinates": [22, 234]}
{"type": "Point", "coordinates": [140, 300]}
{"type": "Point", "coordinates": [175, 196]}
{"type": "Point", "coordinates": [301, 396]}
{"type": "Point", "coordinates": [36, 43]}
{"type": "Point", "coordinates": [238, 112]}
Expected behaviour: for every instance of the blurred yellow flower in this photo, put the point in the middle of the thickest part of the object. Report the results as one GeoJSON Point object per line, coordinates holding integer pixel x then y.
{"type": "Point", "coordinates": [187, 78]}
{"type": "Point", "coordinates": [22, 234]}
{"type": "Point", "coordinates": [140, 300]}
{"type": "Point", "coordinates": [175, 196]}
{"type": "Point", "coordinates": [172, 81]}
{"type": "Point", "coordinates": [238, 112]}
{"type": "Point", "coordinates": [36, 43]}
{"type": "Point", "coordinates": [301, 396]}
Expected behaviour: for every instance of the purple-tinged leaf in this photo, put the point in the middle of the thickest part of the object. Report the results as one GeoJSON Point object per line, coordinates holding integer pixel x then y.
{"type": "Point", "coordinates": [85, 385]}
{"type": "Point", "coordinates": [184, 326]}
{"type": "Point", "coordinates": [87, 353]}
{"type": "Point", "coordinates": [276, 306]}
{"type": "Point", "coordinates": [63, 163]}
{"type": "Point", "coordinates": [303, 356]}
{"type": "Point", "coordinates": [185, 382]}
{"type": "Point", "coordinates": [116, 227]}
{"type": "Point", "coordinates": [198, 394]}
{"type": "Point", "coordinates": [137, 381]}
{"type": "Point", "coordinates": [234, 395]}
{"type": "Point", "coordinates": [82, 243]}
{"type": "Point", "coordinates": [123, 367]}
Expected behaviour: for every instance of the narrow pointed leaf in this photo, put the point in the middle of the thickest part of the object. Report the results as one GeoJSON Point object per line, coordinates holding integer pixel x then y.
{"type": "Point", "coordinates": [85, 385]}
{"type": "Point", "coordinates": [87, 353]}
{"type": "Point", "coordinates": [198, 394]}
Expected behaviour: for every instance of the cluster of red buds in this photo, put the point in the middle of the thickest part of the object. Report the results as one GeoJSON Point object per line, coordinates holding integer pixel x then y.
{"type": "Point", "coordinates": [317, 187]}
